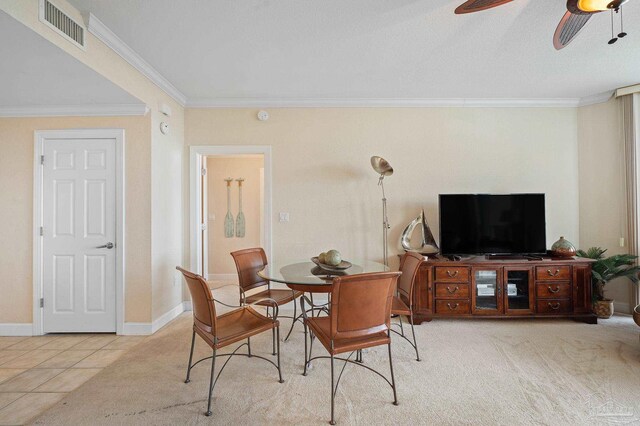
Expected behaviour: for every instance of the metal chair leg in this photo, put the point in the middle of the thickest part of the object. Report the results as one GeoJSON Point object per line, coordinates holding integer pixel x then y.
{"type": "Point", "coordinates": [401, 327]}
{"type": "Point", "coordinates": [415, 342]}
{"type": "Point", "coordinates": [393, 380]}
{"type": "Point", "coordinates": [304, 324]}
{"type": "Point", "coordinates": [293, 321]}
{"type": "Point", "coordinates": [279, 369]}
{"type": "Point", "coordinates": [213, 367]}
{"type": "Point", "coordinates": [249, 346]}
{"type": "Point", "coordinates": [193, 342]}
{"type": "Point", "coordinates": [273, 343]}
{"type": "Point", "coordinates": [333, 395]}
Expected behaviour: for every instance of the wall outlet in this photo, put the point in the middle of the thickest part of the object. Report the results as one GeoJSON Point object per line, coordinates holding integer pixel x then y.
{"type": "Point", "coordinates": [621, 241]}
{"type": "Point", "coordinates": [284, 217]}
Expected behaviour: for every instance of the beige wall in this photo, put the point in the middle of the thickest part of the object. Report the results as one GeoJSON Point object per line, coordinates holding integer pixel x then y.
{"type": "Point", "coordinates": [16, 214]}
{"type": "Point", "coordinates": [602, 190]}
{"type": "Point", "coordinates": [322, 175]}
{"type": "Point", "coordinates": [165, 184]}
{"type": "Point", "coordinates": [218, 169]}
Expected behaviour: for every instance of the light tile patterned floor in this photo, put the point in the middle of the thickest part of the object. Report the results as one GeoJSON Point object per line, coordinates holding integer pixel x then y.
{"type": "Point", "coordinates": [37, 372]}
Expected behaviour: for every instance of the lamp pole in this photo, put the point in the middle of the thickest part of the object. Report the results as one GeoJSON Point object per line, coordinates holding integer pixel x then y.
{"type": "Point", "coordinates": [385, 224]}
{"type": "Point", "coordinates": [383, 167]}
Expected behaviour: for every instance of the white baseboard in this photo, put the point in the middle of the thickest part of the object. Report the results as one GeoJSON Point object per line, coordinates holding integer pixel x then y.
{"type": "Point", "coordinates": [16, 329]}
{"type": "Point", "coordinates": [145, 328]}
{"type": "Point", "coordinates": [222, 277]}
{"type": "Point", "coordinates": [167, 317]}
{"type": "Point", "coordinates": [623, 308]}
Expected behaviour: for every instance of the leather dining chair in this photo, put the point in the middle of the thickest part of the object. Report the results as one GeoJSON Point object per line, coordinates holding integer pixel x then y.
{"type": "Point", "coordinates": [359, 317]}
{"type": "Point", "coordinates": [248, 263]}
{"type": "Point", "coordinates": [403, 300]}
{"type": "Point", "coordinates": [226, 329]}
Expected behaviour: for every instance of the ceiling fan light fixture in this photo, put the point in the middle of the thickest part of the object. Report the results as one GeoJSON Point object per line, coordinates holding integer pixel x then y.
{"type": "Point", "coordinates": [593, 5]}
{"type": "Point", "coordinates": [599, 5]}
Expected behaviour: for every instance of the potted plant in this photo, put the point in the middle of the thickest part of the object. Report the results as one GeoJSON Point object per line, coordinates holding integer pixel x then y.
{"type": "Point", "coordinates": [605, 269]}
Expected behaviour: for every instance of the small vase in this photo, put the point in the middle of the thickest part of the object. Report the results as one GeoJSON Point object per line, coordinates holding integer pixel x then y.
{"type": "Point", "coordinates": [563, 248]}
{"type": "Point", "coordinates": [636, 315]}
{"type": "Point", "coordinates": [603, 308]}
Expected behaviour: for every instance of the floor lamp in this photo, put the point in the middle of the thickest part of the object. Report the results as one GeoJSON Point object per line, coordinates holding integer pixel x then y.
{"type": "Point", "coordinates": [382, 166]}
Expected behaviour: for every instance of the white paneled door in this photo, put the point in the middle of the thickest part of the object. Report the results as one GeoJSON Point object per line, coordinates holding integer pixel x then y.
{"type": "Point", "coordinates": [79, 231]}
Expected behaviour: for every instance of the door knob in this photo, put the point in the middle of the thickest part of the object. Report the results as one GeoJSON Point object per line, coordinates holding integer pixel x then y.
{"type": "Point", "coordinates": [109, 246]}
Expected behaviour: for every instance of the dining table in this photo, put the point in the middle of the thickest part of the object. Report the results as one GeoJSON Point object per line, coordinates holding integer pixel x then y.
{"type": "Point", "coordinates": [308, 277]}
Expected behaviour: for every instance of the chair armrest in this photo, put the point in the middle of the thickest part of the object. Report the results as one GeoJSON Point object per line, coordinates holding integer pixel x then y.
{"type": "Point", "coordinates": [274, 306]}
{"type": "Point", "coordinates": [242, 296]}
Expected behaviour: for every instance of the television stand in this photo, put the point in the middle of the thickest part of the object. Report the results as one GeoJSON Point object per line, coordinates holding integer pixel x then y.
{"type": "Point", "coordinates": [480, 287]}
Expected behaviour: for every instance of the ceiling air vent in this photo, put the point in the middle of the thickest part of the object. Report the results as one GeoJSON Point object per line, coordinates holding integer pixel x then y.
{"type": "Point", "coordinates": [62, 23]}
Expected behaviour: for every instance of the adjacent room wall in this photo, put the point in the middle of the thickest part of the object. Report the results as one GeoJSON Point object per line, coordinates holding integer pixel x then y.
{"type": "Point", "coordinates": [218, 169]}
{"type": "Point", "coordinates": [602, 188]}
{"type": "Point", "coordinates": [323, 178]}
{"type": "Point", "coordinates": [16, 214]}
{"type": "Point", "coordinates": [167, 153]}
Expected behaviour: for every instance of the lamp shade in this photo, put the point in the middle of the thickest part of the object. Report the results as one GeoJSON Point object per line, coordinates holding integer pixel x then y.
{"type": "Point", "coordinates": [381, 166]}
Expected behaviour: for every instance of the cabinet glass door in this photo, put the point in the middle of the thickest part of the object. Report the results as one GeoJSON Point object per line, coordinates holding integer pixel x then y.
{"type": "Point", "coordinates": [486, 297]}
{"type": "Point", "coordinates": [519, 291]}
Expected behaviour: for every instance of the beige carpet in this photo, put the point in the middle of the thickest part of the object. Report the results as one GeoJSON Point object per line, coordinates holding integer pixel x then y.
{"type": "Point", "coordinates": [473, 372]}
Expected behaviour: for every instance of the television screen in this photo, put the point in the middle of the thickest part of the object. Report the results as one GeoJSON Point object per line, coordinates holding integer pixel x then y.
{"type": "Point", "coordinates": [492, 224]}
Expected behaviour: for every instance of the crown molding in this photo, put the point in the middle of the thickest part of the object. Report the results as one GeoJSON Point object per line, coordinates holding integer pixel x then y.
{"type": "Point", "coordinates": [382, 103]}
{"type": "Point", "coordinates": [108, 37]}
{"type": "Point", "coordinates": [74, 110]}
{"type": "Point", "coordinates": [598, 98]}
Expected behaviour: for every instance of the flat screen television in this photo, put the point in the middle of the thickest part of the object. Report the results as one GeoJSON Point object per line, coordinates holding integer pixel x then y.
{"type": "Point", "coordinates": [510, 224]}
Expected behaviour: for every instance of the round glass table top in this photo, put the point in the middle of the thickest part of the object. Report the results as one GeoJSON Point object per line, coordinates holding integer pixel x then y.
{"type": "Point", "coordinates": [305, 272]}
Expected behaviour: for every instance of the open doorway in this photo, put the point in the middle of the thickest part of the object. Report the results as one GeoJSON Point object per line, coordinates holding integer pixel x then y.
{"type": "Point", "coordinates": [233, 206]}
{"type": "Point", "coordinates": [230, 206]}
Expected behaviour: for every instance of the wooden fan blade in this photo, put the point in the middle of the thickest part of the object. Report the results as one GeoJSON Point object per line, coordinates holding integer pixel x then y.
{"type": "Point", "coordinates": [471, 6]}
{"type": "Point", "coordinates": [569, 27]}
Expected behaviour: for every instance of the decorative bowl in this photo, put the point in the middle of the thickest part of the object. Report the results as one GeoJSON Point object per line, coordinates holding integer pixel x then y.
{"type": "Point", "coordinates": [340, 267]}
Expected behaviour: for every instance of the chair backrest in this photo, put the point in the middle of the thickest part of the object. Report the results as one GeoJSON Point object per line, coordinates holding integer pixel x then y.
{"type": "Point", "coordinates": [409, 265]}
{"type": "Point", "coordinates": [361, 304]}
{"type": "Point", "coordinates": [204, 310]}
{"type": "Point", "coordinates": [248, 263]}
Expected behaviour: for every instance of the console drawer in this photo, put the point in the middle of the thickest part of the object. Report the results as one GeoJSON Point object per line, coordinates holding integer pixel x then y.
{"type": "Point", "coordinates": [452, 291]}
{"type": "Point", "coordinates": [553, 290]}
{"type": "Point", "coordinates": [453, 307]}
{"type": "Point", "coordinates": [553, 273]}
{"type": "Point", "coordinates": [452, 274]}
{"type": "Point", "coordinates": [553, 306]}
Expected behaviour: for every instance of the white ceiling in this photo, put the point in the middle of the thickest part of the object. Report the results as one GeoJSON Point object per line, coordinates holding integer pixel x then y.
{"type": "Point", "coordinates": [377, 49]}
{"type": "Point", "coordinates": [34, 73]}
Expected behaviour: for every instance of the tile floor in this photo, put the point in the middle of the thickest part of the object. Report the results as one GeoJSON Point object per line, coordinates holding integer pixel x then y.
{"type": "Point", "coordinates": [36, 372]}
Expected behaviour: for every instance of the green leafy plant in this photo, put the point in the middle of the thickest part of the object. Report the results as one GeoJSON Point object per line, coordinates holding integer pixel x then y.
{"type": "Point", "coordinates": [605, 269]}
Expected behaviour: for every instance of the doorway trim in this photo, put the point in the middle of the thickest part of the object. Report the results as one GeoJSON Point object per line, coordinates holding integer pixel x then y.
{"type": "Point", "coordinates": [195, 165]}
{"type": "Point", "coordinates": [40, 136]}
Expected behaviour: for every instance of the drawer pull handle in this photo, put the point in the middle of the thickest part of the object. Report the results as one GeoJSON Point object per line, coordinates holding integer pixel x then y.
{"type": "Point", "coordinates": [553, 274]}
{"type": "Point", "coordinates": [453, 307]}
{"type": "Point", "coordinates": [555, 306]}
{"type": "Point", "coordinates": [557, 289]}
{"type": "Point", "coordinates": [452, 274]}
{"type": "Point", "coordinates": [452, 290]}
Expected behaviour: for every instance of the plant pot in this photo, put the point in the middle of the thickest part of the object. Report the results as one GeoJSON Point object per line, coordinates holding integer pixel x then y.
{"type": "Point", "coordinates": [603, 308]}
{"type": "Point", "coordinates": [636, 315]}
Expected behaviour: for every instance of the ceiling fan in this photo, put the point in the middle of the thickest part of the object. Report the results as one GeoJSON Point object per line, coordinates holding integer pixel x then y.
{"type": "Point", "coordinates": [578, 14]}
